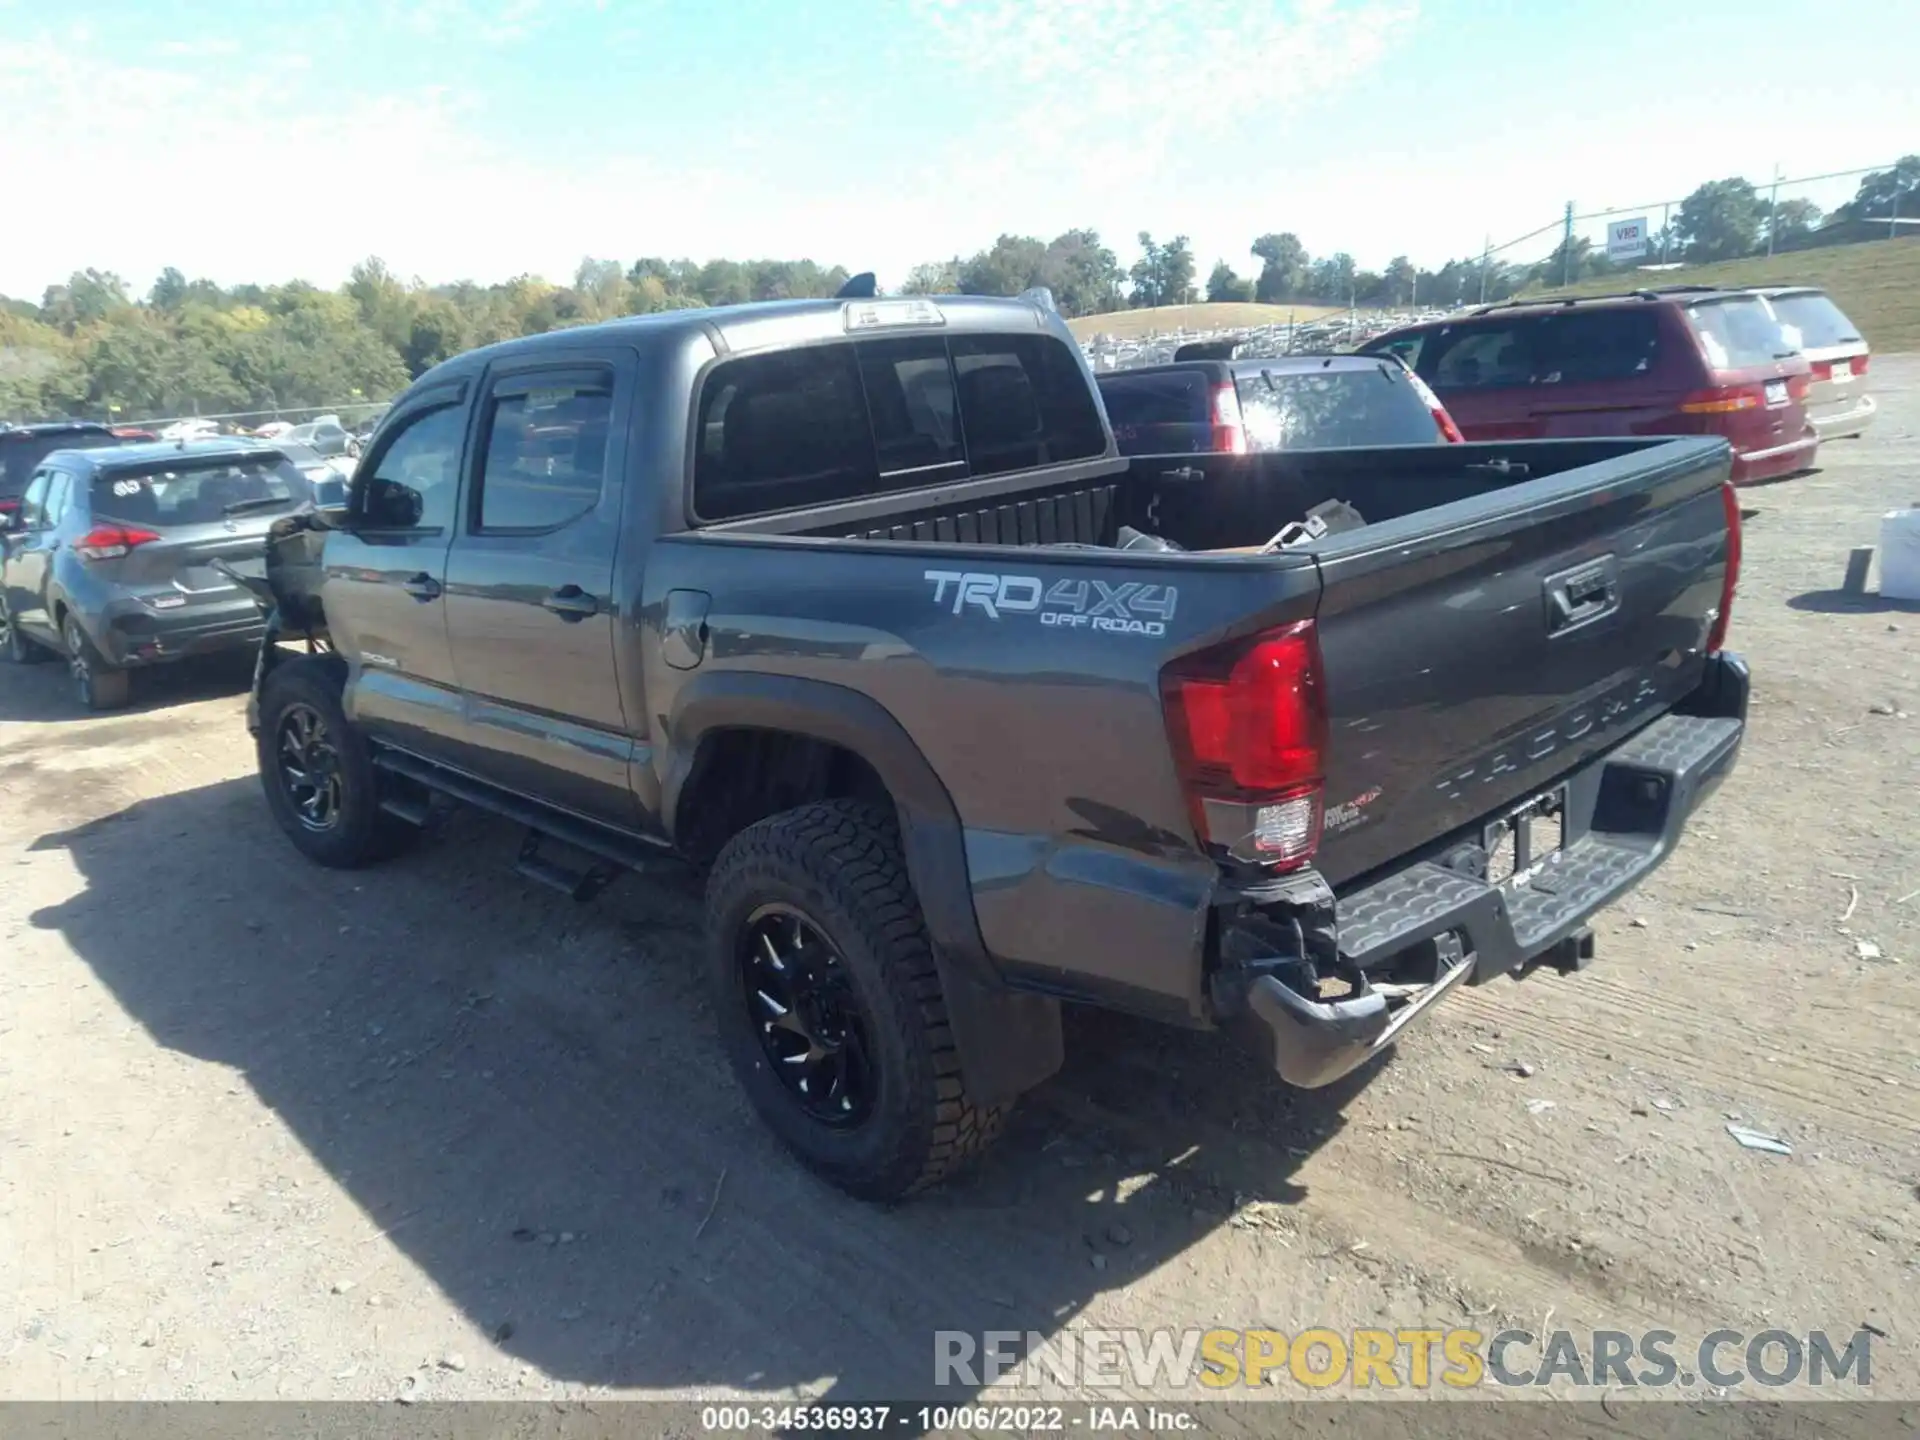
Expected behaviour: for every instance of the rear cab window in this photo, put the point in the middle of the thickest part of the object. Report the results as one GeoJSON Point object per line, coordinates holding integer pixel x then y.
{"type": "Point", "coordinates": [164, 497]}
{"type": "Point", "coordinates": [1332, 407]}
{"type": "Point", "coordinates": [794, 429]}
{"type": "Point", "coordinates": [1738, 333]}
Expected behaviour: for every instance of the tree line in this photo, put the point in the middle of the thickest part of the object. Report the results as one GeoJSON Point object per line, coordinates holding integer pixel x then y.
{"type": "Point", "coordinates": [89, 348]}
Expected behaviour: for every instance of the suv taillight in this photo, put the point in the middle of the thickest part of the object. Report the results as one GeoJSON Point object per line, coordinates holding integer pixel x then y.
{"type": "Point", "coordinates": [110, 542]}
{"type": "Point", "coordinates": [1229, 427]}
{"type": "Point", "coordinates": [1730, 503]}
{"type": "Point", "coordinates": [1248, 726]}
{"type": "Point", "coordinates": [1449, 431]}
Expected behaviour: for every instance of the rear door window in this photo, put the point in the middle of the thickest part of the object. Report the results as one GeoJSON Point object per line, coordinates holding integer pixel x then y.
{"type": "Point", "coordinates": [1328, 408]}
{"type": "Point", "coordinates": [1810, 321]}
{"type": "Point", "coordinates": [33, 505]}
{"type": "Point", "coordinates": [1482, 357]}
{"type": "Point", "coordinates": [800, 428]}
{"type": "Point", "coordinates": [1738, 333]}
{"type": "Point", "coordinates": [163, 499]}
{"type": "Point", "coordinates": [546, 456]}
{"type": "Point", "coordinates": [1584, 347]}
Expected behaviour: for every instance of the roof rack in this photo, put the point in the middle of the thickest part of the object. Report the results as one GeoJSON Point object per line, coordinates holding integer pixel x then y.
{"type": "Point", "coordinates": [1655, 292]}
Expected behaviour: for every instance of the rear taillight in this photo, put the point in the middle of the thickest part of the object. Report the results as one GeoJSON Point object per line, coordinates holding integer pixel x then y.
{"type": "Point", "coordinates": [1724, 400]}
{"type": "Point", "coordinates": [1730, 503]}
{"type": "Point", "coordinates": [1799, 386]}
{"type": "Point", "coordinates": [1248, 725]}
{"type": "Point", "coordinates": [7, 507]}
{"type": "Point", "coordinates": [1449, 431]}
{"type": "Point", "coordinates": [110, 542]}
{"type": "Point", "coordinates": [1229, 427]}
{"type": "Point", "coordinates": [1860, 364]}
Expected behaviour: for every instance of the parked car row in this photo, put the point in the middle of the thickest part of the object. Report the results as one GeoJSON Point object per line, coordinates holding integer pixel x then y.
{"type": "Point", "coordinates": [1774, 371]}
{"type": "Point", "coordinates": [1771, 371]}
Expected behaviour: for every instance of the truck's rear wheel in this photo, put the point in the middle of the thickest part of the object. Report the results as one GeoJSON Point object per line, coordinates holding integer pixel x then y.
{"type": "Point", "coordinates": [830, 1006]}
{"type": "Point", "coordinates": [318, 772]}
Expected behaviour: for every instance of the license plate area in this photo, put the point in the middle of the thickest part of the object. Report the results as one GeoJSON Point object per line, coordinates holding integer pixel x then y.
{"type": "Point", "coordinates": [1522, 843]}
{"type": "Point", "coordinates": [1776, 394]}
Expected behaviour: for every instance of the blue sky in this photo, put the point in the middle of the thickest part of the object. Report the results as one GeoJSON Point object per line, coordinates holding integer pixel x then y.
{"type": "Point", "coordinates": [485, 138]}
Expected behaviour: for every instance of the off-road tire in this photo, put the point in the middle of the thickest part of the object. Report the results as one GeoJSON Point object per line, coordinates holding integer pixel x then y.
{"type": "Point", "coordinates": [18, 648]}
{"type": "Point", "coordinates": [365, 834]}
{"type": "Point", "coordinates": [97, 683]}
{"type": "Point", "coordinates": [839, 863]}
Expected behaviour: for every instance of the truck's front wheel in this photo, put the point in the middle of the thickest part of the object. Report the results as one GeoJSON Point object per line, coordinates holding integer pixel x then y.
{"type": "Point", "coordinates": [829, 1003]}
{"type": "Point", "coordinates": [318, 772]}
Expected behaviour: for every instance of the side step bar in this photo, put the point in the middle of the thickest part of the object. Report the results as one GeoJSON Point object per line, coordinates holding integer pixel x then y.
{"type": "Point", "coordinates": [616, 851]}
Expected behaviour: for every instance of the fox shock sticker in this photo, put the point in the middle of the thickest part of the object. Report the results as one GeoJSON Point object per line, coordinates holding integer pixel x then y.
{"type": "Point", "coordinates": [1129, 608]}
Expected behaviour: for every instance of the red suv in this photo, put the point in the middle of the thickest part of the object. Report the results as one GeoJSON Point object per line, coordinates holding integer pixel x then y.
{"type": "Point", "coordinates": [1682, 361]}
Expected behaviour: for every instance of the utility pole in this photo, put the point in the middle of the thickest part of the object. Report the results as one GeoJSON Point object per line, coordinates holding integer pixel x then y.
{"type": "Point", "coordinates": [1486, 264]}
{"type": "Point", "coordinates": [1566, 249]}
{"type": "Point", "coordinates": [1666, 229]}
{"type": "Point", "coordinates": [1773, 207]}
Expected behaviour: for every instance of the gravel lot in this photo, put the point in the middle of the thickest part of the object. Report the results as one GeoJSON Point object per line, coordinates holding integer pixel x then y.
{"type": "Point", "coordinates": [271, 1131]}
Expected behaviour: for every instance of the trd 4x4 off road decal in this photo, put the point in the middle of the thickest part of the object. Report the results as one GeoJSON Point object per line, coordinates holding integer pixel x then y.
{"type": "Point", "coordinates": [1076, 604]}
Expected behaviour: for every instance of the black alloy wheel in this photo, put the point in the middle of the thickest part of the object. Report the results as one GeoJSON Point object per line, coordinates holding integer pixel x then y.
{"type": "Point", "coordinates": [810, 1023]}
{"type": "Point", "coordinates": [309, 767]}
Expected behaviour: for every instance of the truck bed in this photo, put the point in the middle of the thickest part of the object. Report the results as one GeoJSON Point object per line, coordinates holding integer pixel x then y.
{"type": "Point", "coordinates": [1454, 688]}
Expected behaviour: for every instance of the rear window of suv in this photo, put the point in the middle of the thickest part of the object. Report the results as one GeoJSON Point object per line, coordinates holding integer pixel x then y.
{"type": "Point", "coordinates": [1328, 408]}
{"type": "Point", "coordinates": [198, 495]}
{"type": "Point", "coordinates": [1738, 333]}
{"type": "Point", "coordinates": [1814, 321]}
{"type": "Point", "coordinates": [799, 428]}
{"type": "Point", "coordinates": [20, 455]}
{"type": "Point", "coordinates": [1157, 404]}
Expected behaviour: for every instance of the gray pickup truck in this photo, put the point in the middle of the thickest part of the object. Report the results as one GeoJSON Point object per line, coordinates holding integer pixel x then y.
{"type": "Point", "coordinates": [854, 606]}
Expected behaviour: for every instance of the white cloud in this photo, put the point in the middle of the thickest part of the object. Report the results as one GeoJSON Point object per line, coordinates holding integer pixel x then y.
{"type": "Point", "coordinates": [207, 48]}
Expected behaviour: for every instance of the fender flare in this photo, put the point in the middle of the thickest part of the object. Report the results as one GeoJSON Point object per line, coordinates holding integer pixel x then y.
{"type": "Point", "coordinates": [1009, 1041]}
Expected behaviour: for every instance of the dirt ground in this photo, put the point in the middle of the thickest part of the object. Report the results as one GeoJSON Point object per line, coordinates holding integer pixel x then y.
{"type": "Point", "coordinates": [270, 1131]}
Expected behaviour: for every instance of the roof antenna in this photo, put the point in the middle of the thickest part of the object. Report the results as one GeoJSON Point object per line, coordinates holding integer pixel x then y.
{"type": "Point", "coordinates": [861, 287]}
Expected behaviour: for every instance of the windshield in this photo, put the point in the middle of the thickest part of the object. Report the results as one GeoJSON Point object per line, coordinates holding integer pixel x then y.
{"type": "Point", "coordinates": [1329, 408]}
{"type": "Point", "coordinates": [1813, 322]}
{"type": "Point", "coordinates": [200, 495]}
{"type": "Point", "coordinates": [1738, 334]}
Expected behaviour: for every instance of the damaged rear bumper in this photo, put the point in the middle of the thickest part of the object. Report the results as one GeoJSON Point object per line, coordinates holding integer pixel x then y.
{"type": "Point", "coordinates": [1322, 984]}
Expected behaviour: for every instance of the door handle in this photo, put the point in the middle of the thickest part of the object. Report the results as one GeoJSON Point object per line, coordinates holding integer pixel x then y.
{"type": "Point", "coordinates": [1578, 597]}
{"type": "Point", "coordinates": [422, 587]}
{"type": "Point", "coordinates": [572, 604]}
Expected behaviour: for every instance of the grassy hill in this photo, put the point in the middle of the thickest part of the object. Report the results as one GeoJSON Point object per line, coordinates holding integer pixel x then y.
{"type": "Point", "coordinates": [1877, 284]}
{"type": "Point", "coordinates": [1130, 324]}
